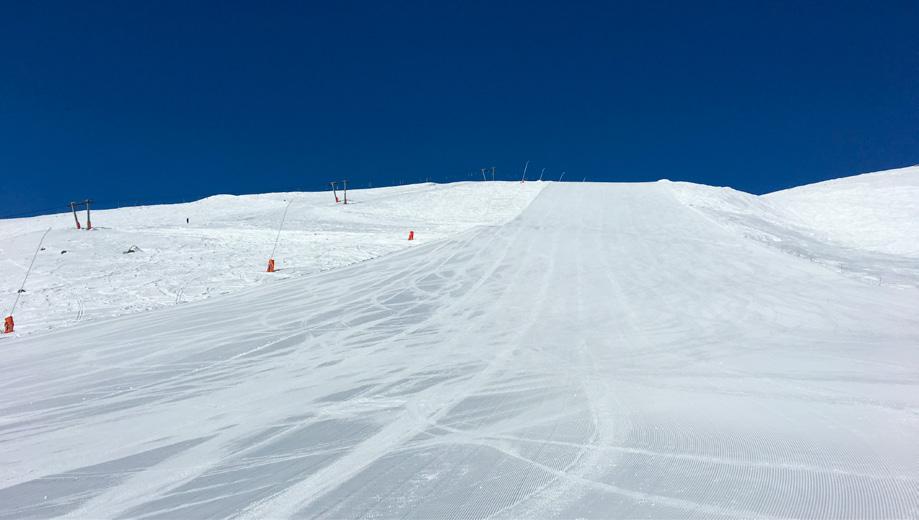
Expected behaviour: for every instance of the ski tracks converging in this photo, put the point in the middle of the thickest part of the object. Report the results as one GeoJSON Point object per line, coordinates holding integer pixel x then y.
{"type": "Point", "coordinates": [608, 353]}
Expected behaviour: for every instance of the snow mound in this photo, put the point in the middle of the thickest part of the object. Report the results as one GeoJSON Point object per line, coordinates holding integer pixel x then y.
{"type": "Point", "coordinates": [864, 226]}
{"type": "Point", "coordinates": [874, 211]}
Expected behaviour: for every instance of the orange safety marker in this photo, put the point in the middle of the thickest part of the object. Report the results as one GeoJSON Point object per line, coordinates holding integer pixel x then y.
{"type": "Point", "coordinates": [8, 325]}
{"type": "Point", "coordinates": [271, 265]}
{"type": "Point", "coordinates": [411, 235]}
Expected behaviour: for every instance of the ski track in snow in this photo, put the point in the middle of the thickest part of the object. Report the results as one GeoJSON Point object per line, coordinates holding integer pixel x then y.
{"type": "Point", "coordinates": [613, 352]}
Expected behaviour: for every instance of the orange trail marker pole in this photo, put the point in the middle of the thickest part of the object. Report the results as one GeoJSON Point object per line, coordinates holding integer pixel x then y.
{"type": "Point", "coordinates": [411, 235]}
{"type": "Point", "coordinates": [8, 321]}
{"type": "Point", "coordinates": [275, 248]}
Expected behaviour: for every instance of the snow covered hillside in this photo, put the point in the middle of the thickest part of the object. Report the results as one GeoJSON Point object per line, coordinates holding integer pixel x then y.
{"type": "Point", "coordinates": [866, 226]}
{"type": "Point", "coordinates": [651, 350]}
{"type": "Point", "coordinates": [226, 245]}
{"type": "Point", "coordinates": [874, 211]}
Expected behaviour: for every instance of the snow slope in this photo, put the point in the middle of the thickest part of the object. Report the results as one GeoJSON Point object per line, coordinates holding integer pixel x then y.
{"type": "Point", "coordinates": [874, 211]}
{"type": "Point", "coordinates": [865, 226]}
{"type": "Point", "coordinates": [615, 351]}
{"type": "Point", "coordinates": [225, 246]}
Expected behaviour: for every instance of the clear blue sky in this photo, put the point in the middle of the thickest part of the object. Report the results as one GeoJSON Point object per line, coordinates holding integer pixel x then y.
{"type": "Point", "coordinates": [177, 100]}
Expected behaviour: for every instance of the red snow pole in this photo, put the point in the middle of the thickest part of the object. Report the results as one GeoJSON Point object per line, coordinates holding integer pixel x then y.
{"type": "Point", "coordinates": [89, 223]}
{"type": "Point", "coordinates": [8, 325]}
{"type": "Point", "coordinates": [411, 235]}
{"type": "Point", "coordinates": [271, 265]}
{"type": "Point", "coordinates": [73, 208]}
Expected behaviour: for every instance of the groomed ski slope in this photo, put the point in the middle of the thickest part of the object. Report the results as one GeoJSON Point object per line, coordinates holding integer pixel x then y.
{"type": "Point", "coordinates": [618, 350]}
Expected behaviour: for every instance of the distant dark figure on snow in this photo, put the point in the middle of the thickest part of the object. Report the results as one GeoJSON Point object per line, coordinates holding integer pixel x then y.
{"type": "Point", "coordinates": [186, 220]}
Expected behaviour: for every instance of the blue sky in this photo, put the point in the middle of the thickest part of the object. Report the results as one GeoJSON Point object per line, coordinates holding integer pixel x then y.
{"type": "Point", "coordinates": [167, 101]}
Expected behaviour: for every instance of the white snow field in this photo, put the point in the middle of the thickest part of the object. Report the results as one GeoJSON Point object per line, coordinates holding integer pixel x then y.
{"type": "Point", "coordinates": [225, 246]}
{"type": "Point", "coordinates": [654, 350]}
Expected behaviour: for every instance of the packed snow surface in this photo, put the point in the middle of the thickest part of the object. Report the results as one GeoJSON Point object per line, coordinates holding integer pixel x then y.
{"type": "Point", "coordinates": [615, 351]}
